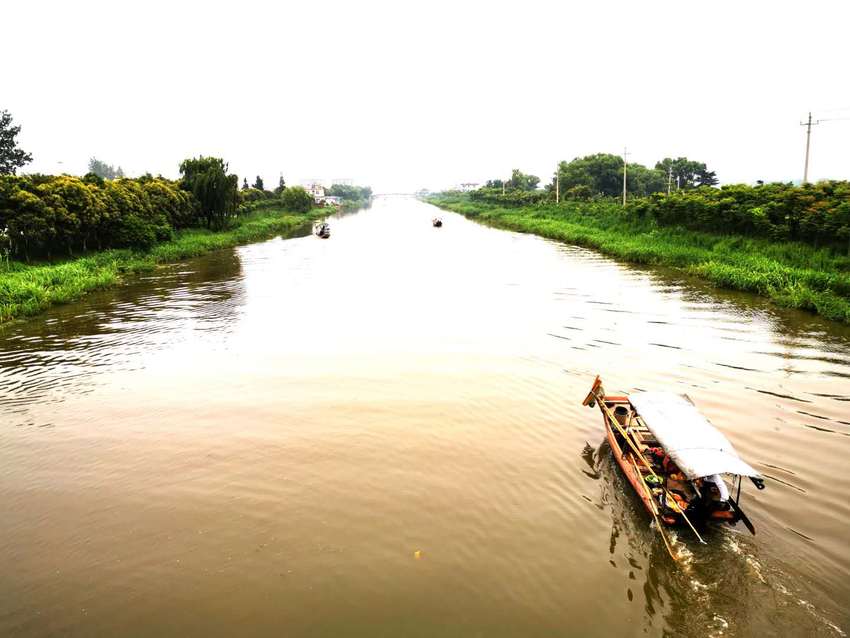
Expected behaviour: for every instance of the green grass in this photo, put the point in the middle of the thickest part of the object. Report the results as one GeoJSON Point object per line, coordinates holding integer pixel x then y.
{"type": "Point", "coordinates": [791, 274]}
{"type": "Point", "coordinates": [29, 289]}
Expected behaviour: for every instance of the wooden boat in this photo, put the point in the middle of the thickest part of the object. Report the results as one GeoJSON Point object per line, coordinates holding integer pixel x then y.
{"type": "Point", "coordinates": [673, 457]}
{"type": "Point", "coordinates": [322, 230]}
{"type": "Point", "coordinates": [437, 222]}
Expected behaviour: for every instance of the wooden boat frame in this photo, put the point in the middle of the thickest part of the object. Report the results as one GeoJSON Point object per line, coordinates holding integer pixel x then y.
{"type": "Point", "coordinates": [629, 439]}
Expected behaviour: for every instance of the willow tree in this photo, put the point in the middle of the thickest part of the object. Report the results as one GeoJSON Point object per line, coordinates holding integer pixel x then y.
{"type": "Point", "coordinates": [216, 191]}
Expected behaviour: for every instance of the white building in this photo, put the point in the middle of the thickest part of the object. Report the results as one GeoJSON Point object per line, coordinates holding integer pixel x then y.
{"type": "Point", "coordinates": [469, 186]}
{"type": "Point", "coordinates": [316, 190]}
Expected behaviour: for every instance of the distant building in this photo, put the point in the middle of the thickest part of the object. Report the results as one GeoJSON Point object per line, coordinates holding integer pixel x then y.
{"type": "Point", "coordinates": [333, 200]}
{"type": "Point", "coordinates": [469, 186]}
{"type": "Point", "coordinates": [316, 190]}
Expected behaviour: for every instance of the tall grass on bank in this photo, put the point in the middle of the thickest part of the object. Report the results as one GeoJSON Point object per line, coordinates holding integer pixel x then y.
{"type": "Point", "coordinates": [791, 274]}
{"type": "Point", "coordinates": [27, 290]}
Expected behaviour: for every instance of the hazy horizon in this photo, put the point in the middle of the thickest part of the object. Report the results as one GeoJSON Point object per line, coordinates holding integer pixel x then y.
{"type": "Point", "coordinates": [406, 97]}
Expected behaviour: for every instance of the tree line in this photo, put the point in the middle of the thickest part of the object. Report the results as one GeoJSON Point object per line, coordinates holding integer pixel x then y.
{"type": "Point", "coordinates": [599, 176]}
{"type": "Point", "coordinates": [818, 214]}
{"type": "Point", "coordinates": [48, 215]}
{"type": "Point", "coordinates": [45, 215]}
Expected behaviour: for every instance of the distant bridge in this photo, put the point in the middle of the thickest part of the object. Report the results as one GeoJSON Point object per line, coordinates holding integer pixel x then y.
{"type": "Point", "coordinates": [394, 195]}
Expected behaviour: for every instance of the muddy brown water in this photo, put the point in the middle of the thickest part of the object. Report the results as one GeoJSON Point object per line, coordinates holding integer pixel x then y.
{"type": "Point", "coordinates": [258, 442]}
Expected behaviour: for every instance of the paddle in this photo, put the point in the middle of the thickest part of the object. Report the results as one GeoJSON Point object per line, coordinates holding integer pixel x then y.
{"type": "Point", "coordinates": [653, 509]}
{"type": "Point", "coordinates": [742, 516]}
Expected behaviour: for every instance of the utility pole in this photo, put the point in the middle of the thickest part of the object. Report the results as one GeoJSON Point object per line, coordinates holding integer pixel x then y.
{"type": "Point", "coordinates": [503, 187]}
{"type": "Point", "coordinates": [558, 185]}
{"type": "Point", "coordinates": [625, 163]}
{"type": "Point", "coordinates": [809, 124]}
{"type": "Point", "coordinates": [669, 178]}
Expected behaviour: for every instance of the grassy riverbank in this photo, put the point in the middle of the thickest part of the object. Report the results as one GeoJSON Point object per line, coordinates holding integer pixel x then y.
{"type": "Point", "coordinates": [29, 289]}
{"type": "Point", "coordinates": [791, 274]}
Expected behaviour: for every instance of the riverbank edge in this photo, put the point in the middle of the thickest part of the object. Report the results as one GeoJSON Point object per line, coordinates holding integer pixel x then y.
{"type": "Point", "coordinates": [27, 290]}
{"type": "Point", "coordinates": [784, 285]}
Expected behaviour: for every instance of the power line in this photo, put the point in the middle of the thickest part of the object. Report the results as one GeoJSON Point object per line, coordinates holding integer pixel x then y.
{"type": "Point", "coordinates": [840, 108]}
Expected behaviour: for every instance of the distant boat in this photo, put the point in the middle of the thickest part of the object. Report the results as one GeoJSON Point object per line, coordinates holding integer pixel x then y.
{"type": "Point", "coordinates": [673, 457]}
{"type": "Point", "coordinates": [437, 222]}
{"type": "Point", "coordinates": [322, 230]}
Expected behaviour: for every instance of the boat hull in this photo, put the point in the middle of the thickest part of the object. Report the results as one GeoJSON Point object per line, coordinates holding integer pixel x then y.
{"type": "Point", "coordinates": [623, 460]}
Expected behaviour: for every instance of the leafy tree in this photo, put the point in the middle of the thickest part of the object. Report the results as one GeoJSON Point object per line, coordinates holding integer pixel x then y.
{"type": "Point", "coordinates": [521, 181]}
{"type": "Point", "coordinates": [494, 183]}
{"type": "Point", "coordinates": [642, 181]}
{"type": "Point", "coordinates": [178, 206]}
{"type": "Point", "coordinates": [601, 173]}
{"type": "Point", "coordinates": [11, 157]}
{"type": "Point", "coordinates": [251, 195]}
{"type": "Point", "coordinates": [216, 191]}
{"type": "Point", "coordinates": [296, 199]}
{"type": "Point", "coordinates": [350, 193]}
{"type": "Point", "coordinates": [104, 170]}
{"type": "Point", "coordinates": [258, 184]}
{"type": "Point", "coordinates": [687, 173]}
{"type": "Point", "coordinates": [72, 208]}
{"type": "Point", "coordinates": [281, 186]}
{"type": "Point", "coordinates": [245, 184]}
{"type": "Point", "coordinates": [27, 218]}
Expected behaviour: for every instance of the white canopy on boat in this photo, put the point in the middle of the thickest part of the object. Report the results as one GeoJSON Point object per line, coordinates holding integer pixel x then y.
{"type": "Point", "coordinates": [696, 446]}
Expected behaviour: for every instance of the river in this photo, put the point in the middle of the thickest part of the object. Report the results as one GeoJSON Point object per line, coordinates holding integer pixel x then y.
{"type": "Point", "coordinates": [381, 434]}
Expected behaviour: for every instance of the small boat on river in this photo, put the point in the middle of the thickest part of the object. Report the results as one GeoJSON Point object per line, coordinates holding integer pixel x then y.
{"type": "Point", "coordinates": [437, 222]}
{"type": "Point", "coordinates": [322, 229]}
{"type": "Point", "coordinates": [673, 457]}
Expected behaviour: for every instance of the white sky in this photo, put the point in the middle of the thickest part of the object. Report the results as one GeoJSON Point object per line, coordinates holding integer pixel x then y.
{"type": "Point", "coordinates": [405, 95]}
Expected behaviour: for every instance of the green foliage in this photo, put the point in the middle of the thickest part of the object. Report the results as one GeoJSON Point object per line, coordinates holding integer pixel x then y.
{"type": "Point", "coordinates": [281, 185]}
{"type": "Point", "coordinates": [179, 206]}
{"type": "Point", "coordinates": [818, 214]}
{"type": "Point", "coordinates": [251, 195]}
{"type": "Point", "coordinates": [350, 193]}
{"type": "Point", "coordinates": [216, 191]}
{"type": "Point", "coordinates": [642, 181]}
{"type": "Point", "coordinates": [685, 173]}
{"type": "Point", "coordinates": [11, 157]}
{"type": "Point", "coordinates": [258, 183]}
{"type": "Point", "coordinates": [509, 198]}
{"type": "Point", "coordinates": [49, 215]}
{"type": "Point", "coordinates": [296, 199]}
{"type": "Point", "coordinates": [521, 181]}
{"type": "Point", "coordinates": [104, 170]}
{"type": "Point", "coordinates": [601, 175]}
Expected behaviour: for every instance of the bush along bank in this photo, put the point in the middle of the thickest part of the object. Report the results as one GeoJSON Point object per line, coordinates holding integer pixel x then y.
{"type": "Point", "coordinates": [29, 289]}
{"type": "Point", "coordinates": [791, 273]}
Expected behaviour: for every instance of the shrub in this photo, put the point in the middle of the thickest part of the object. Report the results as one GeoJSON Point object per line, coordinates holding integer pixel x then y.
{"type": "Point", "coordinates": [296, 199]}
